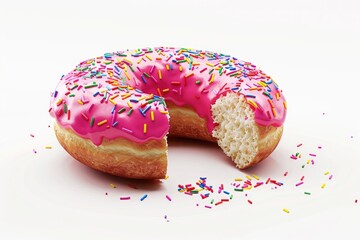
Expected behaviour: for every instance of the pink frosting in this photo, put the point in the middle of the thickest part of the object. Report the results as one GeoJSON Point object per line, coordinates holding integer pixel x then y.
{"type": "Point", "coordinates": [122, 94]}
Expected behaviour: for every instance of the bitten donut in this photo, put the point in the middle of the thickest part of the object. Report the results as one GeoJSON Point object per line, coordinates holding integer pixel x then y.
{"type": "Point", "coordinates": [114, 112]}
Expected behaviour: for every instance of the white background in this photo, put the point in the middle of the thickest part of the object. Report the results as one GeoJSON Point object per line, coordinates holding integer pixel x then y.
{"type": "Point", "coordinates": [311, 48]}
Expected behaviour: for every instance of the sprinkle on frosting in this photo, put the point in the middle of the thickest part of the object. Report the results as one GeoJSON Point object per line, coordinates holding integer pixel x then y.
{"type": "Point", "coordinates": [134, 83]}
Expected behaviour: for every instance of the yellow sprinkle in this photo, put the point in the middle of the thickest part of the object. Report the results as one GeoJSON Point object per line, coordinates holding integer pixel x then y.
{"type": "Point", "coordinates": [285, 105]}
{"type": "Point", "coordinates": [164, 112]}
{"type": "Point", "coordinates": [323, 186]}
{"type": "Point", "coordinates": [167, 177]}
{"type": "Point", "coordinates": [210, 64]}
{"type": "Point", "coordinates": [127, 60]}
{"type": "Point", "coordinates": [129, 104]}
{"type": "Point", "coordinates": [238, 179]}
{"type": "Point", "coordinates": [80, 102]}
{"type": "Point", "coordinates": [102, 122]}
{"type": "Point", "coordinates": [112, 185]}
{"type": "Point", "coordinates": [167, 67]}
{"type": "Point", "coordinates": [326, 173]}
{"type": "Point", "coordinates": [256, 177]}
{"type": "Point", "coordinates": [125, 96]}
{"type": "Point", "coordinates": [140, 60]}
{"type": "Point", "coordinates": [114, 96]}
{"type": "Point", "coordinates": [112, 101]}
{"type": "Point", "coordinates": [248, 177]}
{"type": "Point", "coordinates": [152, 115]}
{"type": "Point", "coordinates": [145, 128]}
{"type": "Point", "coordinates": [48, 147]}
{"type": "Point", "coordinates": [180, 68]}
{"type": "Point", "coordinates": [166, 90]}
{"type": "Point", "coordinates": [212, 78]}
{"type": "Point", "coordinates": [248, 188]}
{"type": "Point", "coordinates": [140, 99]}
{"type": "Point", "coordinates": [148, 57]}
{"type": "Point", "coordinates": [159, 73]}
{"type": "Point", "coordinates": [127, 75]}
{"type": "Point", "coordinates": [285, 210]}
{"type": "Point", "coordinates": [252, 103]}
{"type": "Point", "coordinates": [59, 102]}
{"type": "Point", "coordinates": [262, 84]}
{"type": "Point", "coordinates": [308, 161]}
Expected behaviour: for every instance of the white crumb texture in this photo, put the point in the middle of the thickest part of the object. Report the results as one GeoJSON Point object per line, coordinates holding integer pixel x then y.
{"type": "Point", "coordinates": [236, 131]}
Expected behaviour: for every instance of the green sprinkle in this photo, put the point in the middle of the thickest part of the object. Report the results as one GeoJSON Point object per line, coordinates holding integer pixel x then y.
{"type": "Point", "coordinates": [73, 87]}
{"type": "Point", "coordinates": [130, 112]}
{"type": "Point", "coordinates": [303, 166]}
{"type": "Point", "coordinates": [94, 84]}
{"type": "Point", "coordinates": [194, 191]}
{"type": "Point", "coordinates": [146, 75]}
{"type": "Point", "coordinates": [238, 189]}
{"type": "Point", "coordinates": [231, 196]}
{"type": "Point", "coordinates": [132, 69]}
{"type": "Point", "coordinates": [211, 71]}
{"type": "Point", "coordinates": [212, 201]}
{"type": "Point", "coordinates": [92, 121]}
{"type": "Point", "coordinates": [234, 74]}
{"type": "Point", "coordinates": [307, 193]}
{"type": "Point", "coordinates": [197, 82]}
{"type": "Point", "coordinates": [72, 95]}
{"type": "Point", "coordinates": [65, 108]}
{"type": "Point", "coordinates": [121, 110]}
{"type": "Point", "coordinates": [180, 61]}
{"type": "Point", "coordinates": [123, 55]}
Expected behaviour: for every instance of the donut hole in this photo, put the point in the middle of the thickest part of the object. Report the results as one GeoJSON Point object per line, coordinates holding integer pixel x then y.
{"type": "Point", "coordinates": [236, 131]}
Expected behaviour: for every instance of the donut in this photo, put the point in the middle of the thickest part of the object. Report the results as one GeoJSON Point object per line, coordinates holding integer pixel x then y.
{"type": "Point", "coordinates": [114, 112]}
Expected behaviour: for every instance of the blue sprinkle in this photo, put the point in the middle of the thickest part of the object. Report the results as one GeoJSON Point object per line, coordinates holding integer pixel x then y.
{"type": "Point", "coordinates": [143, 79]}
{"type": "Point", "coordinates": [115, 123]}
{"type": "Point", "coordinates": [134, 100]}
{"type": "Point", "coordinates": [113, 109]}
{"type": "Point", "coordinates": [147, 108]}
{"type": "Point", "coordinates": [95, 94]}
{"type": "Point", "coordinates": [143, 197]}
{"type": "Point", "coordinates": [142, 113]}
{"type": "Point", "coordinates": [250, 96]}
{"type": "Point", "coordinates": [226, 192]}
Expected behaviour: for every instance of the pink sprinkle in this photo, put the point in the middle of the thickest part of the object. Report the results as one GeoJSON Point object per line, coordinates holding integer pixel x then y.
{"type": "Point", "coordinates": [285, 174]}
{"type": "Point", "coordinates": [293, 157]}
{"type": "Point", "coordinates": [319, 147]}
{"type": "Point", "coordinates": [356, 200]}
{"type": "Point", "coordinates": [299, 145]}
{"type": "Point", "coordinates": [34, 151]}
{"type": "Point", "coordinates": [207, 206]}
{"type": "Point", "coordinates": [298, 184]}
{"type": "Point", "coordinates": [124, 198]}
{"type": "Point", "coordinates": [312, 155]}
{"type": "Point", "coordinates": [302, 178]}
{"type": "Point", "coordinates": [312, 162]}
{"type": "Point", "coordinates": [168, 198]}
{"type": "Point", "coordinates": [331, 176]}
{"type": "Point", "coordinates": [250, 202]}
{"type": "Point", "coordinates": [32, 135]}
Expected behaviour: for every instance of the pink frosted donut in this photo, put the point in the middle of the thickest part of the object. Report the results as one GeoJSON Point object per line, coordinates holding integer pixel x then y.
{"type": "Point", "coordinates": [112, 112]}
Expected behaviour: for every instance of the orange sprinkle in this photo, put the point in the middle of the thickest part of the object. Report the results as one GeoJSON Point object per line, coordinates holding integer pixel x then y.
{"type": "Point", "coordinates": [165, 90]}
{"type": "Point", "coordinates": [80, 102]}
{"type": "Point", "coordinates": [159, 92]}
{"type": "Point", "coordinates": [189, 75]}
{"type": "Point", "coordinates": [102, 122]}
{"type": "Point", "coordinates": [167, 67]}
{"type": "Point", "coordinates": [159, 73]}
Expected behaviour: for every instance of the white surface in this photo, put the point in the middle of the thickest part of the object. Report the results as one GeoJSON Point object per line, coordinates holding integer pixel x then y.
{"type": "Point", "coordinates": [311, 48]}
